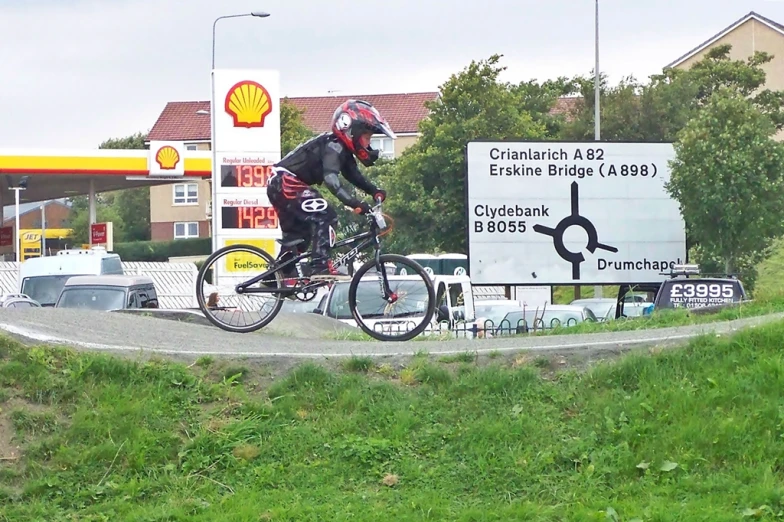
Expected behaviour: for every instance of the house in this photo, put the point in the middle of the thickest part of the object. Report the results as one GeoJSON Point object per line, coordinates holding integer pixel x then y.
{"type": "Point", "coordinates": [179, 210]}
{"type": "Point", "coordinates": [57, 213]}
{"type": "Point", "coordinates": [752, 32]}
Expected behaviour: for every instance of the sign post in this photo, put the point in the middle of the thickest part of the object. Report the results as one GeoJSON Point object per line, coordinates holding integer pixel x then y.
{"type": "Point", "coordinates": [245, 116]}
{"type": "Point", "coordinates": [102, 234]}
{"type": "Point", "coordinates": [566, 213]}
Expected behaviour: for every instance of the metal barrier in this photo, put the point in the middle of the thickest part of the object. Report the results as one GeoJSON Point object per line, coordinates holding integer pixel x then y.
{"type": "Point", "coordinates": [475, 330]}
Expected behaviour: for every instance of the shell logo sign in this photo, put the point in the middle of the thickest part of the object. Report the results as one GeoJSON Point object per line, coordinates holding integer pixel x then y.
{"type": "Point", "coordinates": [248, 103]}
{"type": "Point", "coordinates": [167, 157]}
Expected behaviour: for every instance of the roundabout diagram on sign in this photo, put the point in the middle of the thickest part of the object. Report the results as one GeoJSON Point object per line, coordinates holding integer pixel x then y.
{"type": "Point", "coordinates": [574, 219]}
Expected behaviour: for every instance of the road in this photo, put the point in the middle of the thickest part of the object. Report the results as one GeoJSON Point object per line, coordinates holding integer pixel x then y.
{"type": "Point", "coordinates": [304, 336]}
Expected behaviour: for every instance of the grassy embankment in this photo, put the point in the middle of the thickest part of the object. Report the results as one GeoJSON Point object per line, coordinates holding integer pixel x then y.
{"type": "Point", "coordinates": [684, 434]}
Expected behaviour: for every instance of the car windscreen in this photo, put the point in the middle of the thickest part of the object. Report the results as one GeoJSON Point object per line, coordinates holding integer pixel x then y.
{"type": "Point", "coordinates": [412, 298]}
{"type": "Point", "coordinates": [696, 293]}
{"type": "Point", "coordinates": [45, 289]}
{"type": "Point", "coordinates": [93, 298]}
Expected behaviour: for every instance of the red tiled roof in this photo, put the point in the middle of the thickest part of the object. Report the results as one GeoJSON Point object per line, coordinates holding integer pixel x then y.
{"type": "Point", "coordinates": [565, 105]}
{"type": "Point", "coordinates": [402, 111]}
{"type": "Point", "coordinates": [179, 121]}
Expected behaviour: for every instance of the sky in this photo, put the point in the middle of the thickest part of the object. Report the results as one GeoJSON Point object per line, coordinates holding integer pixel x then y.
{"type": "Point", "coordinates": [77, 72]}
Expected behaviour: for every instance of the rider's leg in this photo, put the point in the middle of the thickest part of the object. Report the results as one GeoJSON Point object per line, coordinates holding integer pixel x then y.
{"type": "Point", "coordinates": [314, 210]}
{"type": "Point", "coordinates": [289, 224]}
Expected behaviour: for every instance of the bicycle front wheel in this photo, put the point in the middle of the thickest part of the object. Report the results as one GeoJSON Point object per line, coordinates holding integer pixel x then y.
{"type": "Point", "coordinates": [411, 308]}
{"type": "Point", "coordinates": [216, 289]}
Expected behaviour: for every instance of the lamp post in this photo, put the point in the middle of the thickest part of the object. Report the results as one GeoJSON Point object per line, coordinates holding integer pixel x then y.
{"type": "Point", "coordinates": [21, 186]}
{"type": "Point", "coordinates": [258, 14]}
{"type": "Point", "coordinates": [597, 290]}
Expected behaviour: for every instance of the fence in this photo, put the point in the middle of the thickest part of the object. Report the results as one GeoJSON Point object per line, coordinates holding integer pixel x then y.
{"type": "Point", "coordinates": [175, 283]}
{"type": "Point", "coordinates": [476, 330]}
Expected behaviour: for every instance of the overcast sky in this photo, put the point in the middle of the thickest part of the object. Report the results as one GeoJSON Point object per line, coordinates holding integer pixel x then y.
{"type": "Point", "coordinates": [75, 72]}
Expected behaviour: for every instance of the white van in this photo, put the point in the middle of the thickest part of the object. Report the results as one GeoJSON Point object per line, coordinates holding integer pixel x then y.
{"type": "Point", "coordinates": [43, 278]}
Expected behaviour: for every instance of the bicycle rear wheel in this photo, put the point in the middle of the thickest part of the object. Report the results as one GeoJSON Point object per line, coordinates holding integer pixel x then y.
{"type": "Point", "coordinates": [393, 321]}
{"type": "Point", "coordinates": [216, 289]}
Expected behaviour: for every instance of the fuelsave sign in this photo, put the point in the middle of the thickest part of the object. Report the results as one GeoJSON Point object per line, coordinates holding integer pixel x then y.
{"type": "Point", "coordinates": [544, 213]}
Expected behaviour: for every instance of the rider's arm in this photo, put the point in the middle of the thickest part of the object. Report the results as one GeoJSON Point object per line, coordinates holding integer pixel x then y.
{"type": "Point", "coordinates": [331, 166]}
{"type": "Point", "coordinates": [352, 173]}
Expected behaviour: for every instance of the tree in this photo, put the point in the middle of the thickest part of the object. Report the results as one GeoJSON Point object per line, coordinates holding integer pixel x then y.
{"type": "Point", "coordinates": [426, 183]}
{"type": "Point", "coordinates": [658, 110]}
{"type": "Point", "coordinates": [728, 180]}
{"type": "Point", "coordinates": [132, 206]}
{"type": "Point", "coordinates": [293, 130]}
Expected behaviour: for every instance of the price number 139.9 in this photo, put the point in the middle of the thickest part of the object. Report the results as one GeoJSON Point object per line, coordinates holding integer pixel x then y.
{"type": "Point", "coordinates": [715, 290]}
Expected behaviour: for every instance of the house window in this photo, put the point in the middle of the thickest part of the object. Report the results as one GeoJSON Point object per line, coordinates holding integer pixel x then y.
{"type": "Point", "coordinates": [186, 194]}
{"type": "Point", "coordinates": [192, 146]}
{"type": "Point", "coordinates": [385, 146]}
{"type": "Point", "coordinates": [186, 230]}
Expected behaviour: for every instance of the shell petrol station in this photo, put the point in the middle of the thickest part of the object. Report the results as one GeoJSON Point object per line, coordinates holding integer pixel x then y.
{"type": "Point", "coordinates": [245, 142]}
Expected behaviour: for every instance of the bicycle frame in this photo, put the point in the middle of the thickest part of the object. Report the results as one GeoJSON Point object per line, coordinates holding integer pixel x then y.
{"type": "Point", "coordinates": [367, 238]}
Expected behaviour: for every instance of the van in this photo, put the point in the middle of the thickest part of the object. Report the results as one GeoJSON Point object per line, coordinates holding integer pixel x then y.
{"type": "Point", "coordinates": [43, 278]}
{"type": "Point", "coordinates": [110, 292]}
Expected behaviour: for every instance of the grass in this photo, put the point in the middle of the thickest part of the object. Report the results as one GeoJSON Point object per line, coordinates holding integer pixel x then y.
{"type": "Point", "coordinates": [770, 279]}
{"type": "Point", "coordinates": [674, 317]}
{"type": "Point", "coordinates": [687, 434]}
{"type": "Point", "coordinates": [658, 319]}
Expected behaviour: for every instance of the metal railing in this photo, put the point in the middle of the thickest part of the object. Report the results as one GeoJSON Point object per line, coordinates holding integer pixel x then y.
{"type": "Point", "coordinates": [475, 330]}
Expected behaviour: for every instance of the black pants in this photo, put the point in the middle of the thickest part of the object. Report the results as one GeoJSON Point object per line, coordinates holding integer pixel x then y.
{"type": "Point", "coordinates": [303, 214]}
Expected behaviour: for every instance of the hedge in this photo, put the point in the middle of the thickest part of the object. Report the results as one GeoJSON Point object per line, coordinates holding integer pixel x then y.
{"type": "Point", "coordinates": [163, 250]}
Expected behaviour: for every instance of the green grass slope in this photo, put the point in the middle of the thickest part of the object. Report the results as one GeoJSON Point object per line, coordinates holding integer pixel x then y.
{"type": "Point", "coordinates": [689, 434]}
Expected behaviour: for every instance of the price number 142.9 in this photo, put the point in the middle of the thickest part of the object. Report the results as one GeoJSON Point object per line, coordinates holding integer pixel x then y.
{"type": "Point", "coordinates": [258, 218]}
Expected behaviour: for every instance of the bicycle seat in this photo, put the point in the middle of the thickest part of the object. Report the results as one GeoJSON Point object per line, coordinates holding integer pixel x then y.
{"type": "Point", "coordinates": [288, 243]}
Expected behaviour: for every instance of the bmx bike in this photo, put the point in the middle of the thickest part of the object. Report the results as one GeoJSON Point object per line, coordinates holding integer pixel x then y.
{"type": "Point", "coordinates": [378, 309]}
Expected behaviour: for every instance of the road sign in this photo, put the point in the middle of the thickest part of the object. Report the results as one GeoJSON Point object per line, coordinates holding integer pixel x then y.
{"type": "Point", "coordinates": [549, 213]}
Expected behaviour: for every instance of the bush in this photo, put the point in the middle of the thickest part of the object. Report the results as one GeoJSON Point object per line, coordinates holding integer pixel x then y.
{"type": "Point", "coordinates": [163, 250]}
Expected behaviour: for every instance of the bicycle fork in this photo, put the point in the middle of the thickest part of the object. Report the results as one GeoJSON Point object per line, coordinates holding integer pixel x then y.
{"type": "Point", "coordinates": [383, 282]}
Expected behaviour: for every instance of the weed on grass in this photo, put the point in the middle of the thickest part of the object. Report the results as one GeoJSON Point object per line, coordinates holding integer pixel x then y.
{"type": "Point", "coordinates": [685, 434]}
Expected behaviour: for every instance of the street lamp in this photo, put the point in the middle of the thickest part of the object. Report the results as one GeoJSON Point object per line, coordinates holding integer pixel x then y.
{"type": "Point", "coordinates": [259, 14]}
{"type": "Point", "coordinates": [21, 186]}
{"type": "Point", "coordinates": [596, 78]}
{"type": "Point", "coordinates": [212, 112]}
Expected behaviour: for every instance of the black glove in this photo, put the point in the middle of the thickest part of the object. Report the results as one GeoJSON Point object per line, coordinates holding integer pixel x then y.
{"type": "Point", "coordinates": [380, 194]}
{"type": "Point", "coordinates": [361, 207]}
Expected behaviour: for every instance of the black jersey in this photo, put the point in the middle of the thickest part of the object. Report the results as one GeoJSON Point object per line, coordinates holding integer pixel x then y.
{"type": "Point", "coordinates": [320, 160]}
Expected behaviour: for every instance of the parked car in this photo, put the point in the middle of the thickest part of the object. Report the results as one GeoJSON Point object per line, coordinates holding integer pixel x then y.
{"type": "Point", "coordinates": [602, 307]}
{"type": "Point", "coordinates": [43, 278]}
{"type": "Point", "coordinates": [18, 301]}
{"type": "Point", "coordinates": [551, 317]}
{"type": "Point", "coordinates": [108, 292]}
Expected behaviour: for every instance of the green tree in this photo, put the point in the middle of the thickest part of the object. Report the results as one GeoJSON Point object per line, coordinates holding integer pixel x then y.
{"type": "Point", "coordinates": [132, 206]}
{"type": "Point", "coordinates": [728, 180]}
{"type": "Point", "coordinates": [293, 130]}
{"type": "Point", "coordinates": [426, 183]}
{"type": "Point", "coordinates": [658, 110]}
